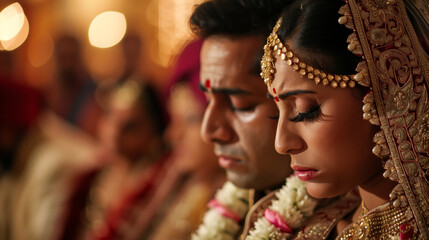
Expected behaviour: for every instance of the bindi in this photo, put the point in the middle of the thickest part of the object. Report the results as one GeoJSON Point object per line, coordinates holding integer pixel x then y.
{"type": "Point", "coordinates": [275, 95]}
{"type": "Point", "coordinates": [208, 84]}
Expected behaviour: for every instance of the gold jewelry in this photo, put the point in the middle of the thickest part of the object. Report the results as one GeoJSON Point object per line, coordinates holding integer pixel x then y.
{"type": "Point", "coordinates": [364, 210]}
{"type": "Point", "coordinates": [275, 47]}
{"type": "Point", "coordinates": [385, 222]}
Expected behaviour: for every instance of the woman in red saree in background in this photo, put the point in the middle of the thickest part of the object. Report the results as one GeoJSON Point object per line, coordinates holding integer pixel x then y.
{"type": "Point", "coordinates": [376, 162]}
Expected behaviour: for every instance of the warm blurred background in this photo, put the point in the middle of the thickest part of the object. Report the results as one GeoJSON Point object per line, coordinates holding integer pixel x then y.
{"type": "Point", "coordinates": [100, 114]}
{"type": "Point", "coordinates": [162, 26]}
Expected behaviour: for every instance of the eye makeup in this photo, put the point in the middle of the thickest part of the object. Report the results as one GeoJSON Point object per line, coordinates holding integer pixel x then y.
{"type": "Point", "coordinates": [309, 115]}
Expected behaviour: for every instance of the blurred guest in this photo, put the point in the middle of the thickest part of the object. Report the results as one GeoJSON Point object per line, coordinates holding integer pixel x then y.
{"type": "Point", "coordinates": [135, 155]}
{"type": "Point", "coordinates": [195, 165]}
{"type": "Point", "coordinates": [169, 194]}
{"type": "Point", "coordinates": [43, 160]}
{"type": "Point", "coordinates": [71, 95]}
{"type": "Point", "coordinates": [19, 108]}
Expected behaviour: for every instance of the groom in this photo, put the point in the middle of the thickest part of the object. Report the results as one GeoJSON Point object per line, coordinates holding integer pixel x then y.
{"type": "Point", "coordinates": [239, 119]}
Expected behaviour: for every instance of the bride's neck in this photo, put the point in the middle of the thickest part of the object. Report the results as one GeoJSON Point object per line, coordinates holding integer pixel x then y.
{"type": "Point", "coordinates": [376, 190]}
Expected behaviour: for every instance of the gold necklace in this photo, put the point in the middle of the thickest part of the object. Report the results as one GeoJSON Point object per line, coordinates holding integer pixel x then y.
{"type": "Point", "coordinates": [384, 222]}
{"type": "Point", "coordinates": [364, 210]}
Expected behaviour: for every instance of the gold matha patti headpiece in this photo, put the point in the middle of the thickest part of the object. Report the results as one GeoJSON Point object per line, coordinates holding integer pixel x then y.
{"type": "Point", "coordinates": [275, 47]}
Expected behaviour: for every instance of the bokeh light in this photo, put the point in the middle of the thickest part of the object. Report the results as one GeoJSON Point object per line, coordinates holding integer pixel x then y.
{"type": "Point", "coordinates": [11, 21]}
{"type": "Point", "coordinates": [18, 39]}
{"type": "Point", "coordinates": [107, 29]}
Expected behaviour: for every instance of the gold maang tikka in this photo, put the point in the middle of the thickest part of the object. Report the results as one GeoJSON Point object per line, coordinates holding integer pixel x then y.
{"type": "Point", "coordinates": [275, 47]}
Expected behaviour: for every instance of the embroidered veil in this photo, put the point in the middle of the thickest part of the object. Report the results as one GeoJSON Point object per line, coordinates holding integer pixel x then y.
{"type": "Point", "coordinates": [397, 67]}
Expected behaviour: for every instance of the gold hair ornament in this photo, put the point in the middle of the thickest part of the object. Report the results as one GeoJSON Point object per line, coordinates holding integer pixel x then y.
{"type": "Point", "coordinates": [275, 47]}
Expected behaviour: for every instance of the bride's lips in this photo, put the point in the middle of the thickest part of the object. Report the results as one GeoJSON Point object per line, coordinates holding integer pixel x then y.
{"type": "Point", "coordinates": [304, 173]}
{"type": "Point", "coordinates": [229, 162]}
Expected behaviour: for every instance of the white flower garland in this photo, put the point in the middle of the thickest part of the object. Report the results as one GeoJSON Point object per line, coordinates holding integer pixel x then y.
{"type": "Point", "coordinates": [294, 205]}
{"type": "Point", "coordinates": [217, 227]}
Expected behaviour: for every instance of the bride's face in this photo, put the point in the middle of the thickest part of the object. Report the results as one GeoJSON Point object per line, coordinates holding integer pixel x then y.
{"type": "Point", "coordinates": [323, 131]}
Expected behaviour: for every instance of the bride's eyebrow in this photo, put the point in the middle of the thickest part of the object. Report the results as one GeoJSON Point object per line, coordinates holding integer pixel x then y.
{"type": "Point", "coordinates": [291, 93]}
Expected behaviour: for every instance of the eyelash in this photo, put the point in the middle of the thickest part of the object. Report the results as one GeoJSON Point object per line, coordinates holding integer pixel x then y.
{"type": "Point", "coordinates": [305, 116]}
{"type": "Point", "coordinates": [245, 109]}
{"type": "Point", "coordinates": [308, 116]}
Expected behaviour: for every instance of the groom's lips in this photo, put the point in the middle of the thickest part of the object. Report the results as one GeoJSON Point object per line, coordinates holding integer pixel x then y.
{"type": "Point", "coordinates": [229, 162]}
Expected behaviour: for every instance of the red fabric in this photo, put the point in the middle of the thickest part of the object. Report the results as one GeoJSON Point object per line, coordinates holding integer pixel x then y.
{"type": "Point", "coordinates": [187, 69]}
{"type": "Point", "coordinates": [19, 104]}
{"type": "Point", "coordinates": [119, 215]}
{"type": "Point", "coordinates": [73, 221]}
{"type": "Point", "coordinates": [406, 231]}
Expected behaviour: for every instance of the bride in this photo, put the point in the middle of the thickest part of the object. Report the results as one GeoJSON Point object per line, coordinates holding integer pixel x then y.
{"type": "Point", "coordinates": [351, 80]}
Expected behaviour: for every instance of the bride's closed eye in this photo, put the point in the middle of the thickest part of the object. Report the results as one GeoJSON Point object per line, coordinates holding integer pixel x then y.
{"type": "Point", "coordinates": [308, 116]}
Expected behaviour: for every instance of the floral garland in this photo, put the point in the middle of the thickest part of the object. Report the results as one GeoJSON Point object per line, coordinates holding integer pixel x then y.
{"type": "Point", "coordinates": [222, 221]}
{"type": "Point", "coordinates": [289, 212]}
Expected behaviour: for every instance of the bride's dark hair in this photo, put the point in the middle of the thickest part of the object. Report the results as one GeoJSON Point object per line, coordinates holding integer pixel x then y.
{"type": "Point", "coordinates": [311, 29]}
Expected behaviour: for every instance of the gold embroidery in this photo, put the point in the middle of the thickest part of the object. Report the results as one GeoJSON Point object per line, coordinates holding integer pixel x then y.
{"type": "Point", "coordinates": [377, 224]}
{"type": "Point", "coordinates": [325, 219]}
{"type": "Point", "coordinates": [398, 72]}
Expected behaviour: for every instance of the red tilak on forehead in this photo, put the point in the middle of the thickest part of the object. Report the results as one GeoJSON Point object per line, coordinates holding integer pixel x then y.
{"type": "Point", "coordinates": [275, 97]}
{"type": "Point", "coordinates": [208, 85]}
